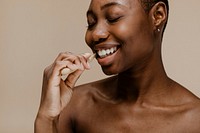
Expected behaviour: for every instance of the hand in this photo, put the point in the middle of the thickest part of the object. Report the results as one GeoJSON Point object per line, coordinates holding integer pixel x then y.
{"type": "Point", "coordinates": [57, 93]}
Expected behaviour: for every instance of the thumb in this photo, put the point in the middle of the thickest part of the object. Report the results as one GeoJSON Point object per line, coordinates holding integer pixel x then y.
{"type": "Point", "coordinates": [87, 55]}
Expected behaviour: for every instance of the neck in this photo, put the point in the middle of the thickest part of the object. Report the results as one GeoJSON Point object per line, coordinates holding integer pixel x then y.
{"type": "Point", "coordinates": [147, 82]}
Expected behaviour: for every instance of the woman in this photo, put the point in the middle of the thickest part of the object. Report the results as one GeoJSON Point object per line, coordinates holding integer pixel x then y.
{"type": "Point", "coordinates": [126, 36]}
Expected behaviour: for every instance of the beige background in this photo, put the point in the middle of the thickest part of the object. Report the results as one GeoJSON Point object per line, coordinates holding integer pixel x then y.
{"type": "Point", "coordinates": [33, 32]}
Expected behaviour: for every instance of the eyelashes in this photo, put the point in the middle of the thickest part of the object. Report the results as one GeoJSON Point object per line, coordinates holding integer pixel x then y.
{"type": "Point", "coordinates": [113, 20]}
{"type": "Point", "coordinates": [109, 20]}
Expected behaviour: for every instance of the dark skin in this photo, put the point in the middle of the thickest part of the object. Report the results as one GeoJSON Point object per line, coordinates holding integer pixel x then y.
{"type": "Point", "coordinates": [141, 98]}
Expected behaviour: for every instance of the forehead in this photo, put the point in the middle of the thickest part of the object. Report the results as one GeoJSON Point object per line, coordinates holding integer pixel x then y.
{"type": "Point", "coordinates": [100, 3]}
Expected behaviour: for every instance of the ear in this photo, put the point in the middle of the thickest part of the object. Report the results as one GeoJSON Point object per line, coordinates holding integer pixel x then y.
{"type": "Point", "coordinates": [159, 15]}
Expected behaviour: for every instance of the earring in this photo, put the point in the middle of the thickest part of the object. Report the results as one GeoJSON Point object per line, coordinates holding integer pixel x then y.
{"type": "Point", "coordinates": [158, 30]}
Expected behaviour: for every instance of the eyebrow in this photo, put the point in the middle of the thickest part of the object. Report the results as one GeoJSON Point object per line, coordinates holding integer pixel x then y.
{"type": "Point", "coordinates": [104, 7]}
{"type": "Point", "coordinates": [110, 4]}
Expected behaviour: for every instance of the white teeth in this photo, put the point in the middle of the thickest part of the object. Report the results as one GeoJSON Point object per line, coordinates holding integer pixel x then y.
{"type": "Point", "coordinates": [100, 53]}
{"type": "Point", "coordinates": [106, 52]}
{"type": "Point", "coordinates": [103, 52]}
{"type": "Point", "coordinates": [111, 50]}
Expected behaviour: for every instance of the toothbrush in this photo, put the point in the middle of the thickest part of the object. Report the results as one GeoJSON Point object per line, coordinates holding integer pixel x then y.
{"type": "Point", "coordinates": [66, 71]}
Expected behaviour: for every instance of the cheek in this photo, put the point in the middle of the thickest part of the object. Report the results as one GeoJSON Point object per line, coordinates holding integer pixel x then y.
{"type": "Point", "coordinates": [136, 42]}
{"type": "Point", "coordinates": [133, 34]}
{"type": "Point", "coordinates": [126, 31]}
{"type": "Point", "coordinates": [122, 32]}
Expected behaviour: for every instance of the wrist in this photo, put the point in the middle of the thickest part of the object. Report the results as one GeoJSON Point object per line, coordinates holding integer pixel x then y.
{"type": "Point", "coordinates": [42, 115]}
{"type": "Point", "coordinates": [45, 124]}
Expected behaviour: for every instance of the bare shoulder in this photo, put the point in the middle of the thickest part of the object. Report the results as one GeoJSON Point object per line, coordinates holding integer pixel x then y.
{"type": "Point", "coordinates": [191, 109]}
{"type": "Point", "coordinates": [82, 102]}
{"type": "Point", "coordinates": [192, 116]}
{"type": "Point", "coordinates": [189, 99]}
{"type": "Point", "coordinates": [194, 108]}
{"type": "Point", "coordinates": [194, 111]}
{"type": "Point", "coordinates": [91, 90]}
{"type": "Point", "coordinates": [84, 95]}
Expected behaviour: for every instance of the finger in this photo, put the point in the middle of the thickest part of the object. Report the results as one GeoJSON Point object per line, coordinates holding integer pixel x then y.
{"type": "Point", "coordinates": [74, 59]}
{"type": "Point", "coordinates": [89, 57]}
{"type": "Point", "coordinates": [71, 69]}
{"type": "Point", "coordinates": [59, 65]}
{"type": "Point", "coordinates": [65, 55]}
{"type": "Point", "coordinates": [72, 78]}
{"type": "Point", "coordinates": [84, 62]}
{"type": "Point", "coordinates": [85, 59]}
{"type": "Point", "coordinates": [62, 55]}
{"type": "Point", "coordinates": [68, 70]}
{"type": "Point", "coordinates": [77, 65]}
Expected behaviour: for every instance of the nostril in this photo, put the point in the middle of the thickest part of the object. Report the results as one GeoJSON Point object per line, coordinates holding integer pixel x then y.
{"type": "Point", "coordinates": [100, 40]}
{"type": "Point", "coordinates": [99, 34]}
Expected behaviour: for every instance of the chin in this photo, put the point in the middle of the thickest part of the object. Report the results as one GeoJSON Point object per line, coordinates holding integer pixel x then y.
{"type": "Point", "coordinates": [109, 72]}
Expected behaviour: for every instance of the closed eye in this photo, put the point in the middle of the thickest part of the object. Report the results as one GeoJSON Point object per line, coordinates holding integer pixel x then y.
{"type": "Point", "coordinates": [113, 20]}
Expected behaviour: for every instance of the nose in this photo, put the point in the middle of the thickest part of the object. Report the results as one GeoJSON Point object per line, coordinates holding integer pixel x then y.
{"type": "Point", "coordinates": [100, 33]}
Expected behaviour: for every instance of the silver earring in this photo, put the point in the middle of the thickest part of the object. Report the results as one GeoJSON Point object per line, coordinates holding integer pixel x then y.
{"type": "Point", "coordinates": [158, 30]}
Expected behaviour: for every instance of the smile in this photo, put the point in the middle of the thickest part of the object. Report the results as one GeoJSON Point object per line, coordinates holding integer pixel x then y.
{"type": "Point", "coordinates": [106, 52]}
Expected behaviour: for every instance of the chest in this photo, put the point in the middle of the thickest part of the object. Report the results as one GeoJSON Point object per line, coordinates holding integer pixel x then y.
{"type": "Point", "coordinates": [113, 119]}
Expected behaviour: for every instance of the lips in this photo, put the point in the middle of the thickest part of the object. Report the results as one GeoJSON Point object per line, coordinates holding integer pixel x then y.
{"type": "Point", "coordinates": [106, 52]}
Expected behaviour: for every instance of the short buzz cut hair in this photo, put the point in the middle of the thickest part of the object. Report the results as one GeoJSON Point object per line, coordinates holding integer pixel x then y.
{"type": "Point", "coordinates": [148, 4]}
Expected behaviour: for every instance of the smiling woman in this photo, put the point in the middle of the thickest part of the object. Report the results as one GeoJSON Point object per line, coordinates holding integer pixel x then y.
{"type": "Point", "coordinates": [129, 28]}
{"type": "Point", "coordinates": [126, 37]}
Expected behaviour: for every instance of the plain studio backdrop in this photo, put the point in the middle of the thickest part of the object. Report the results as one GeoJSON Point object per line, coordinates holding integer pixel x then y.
{"type": "Point", "coordinates": [33, 32]}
